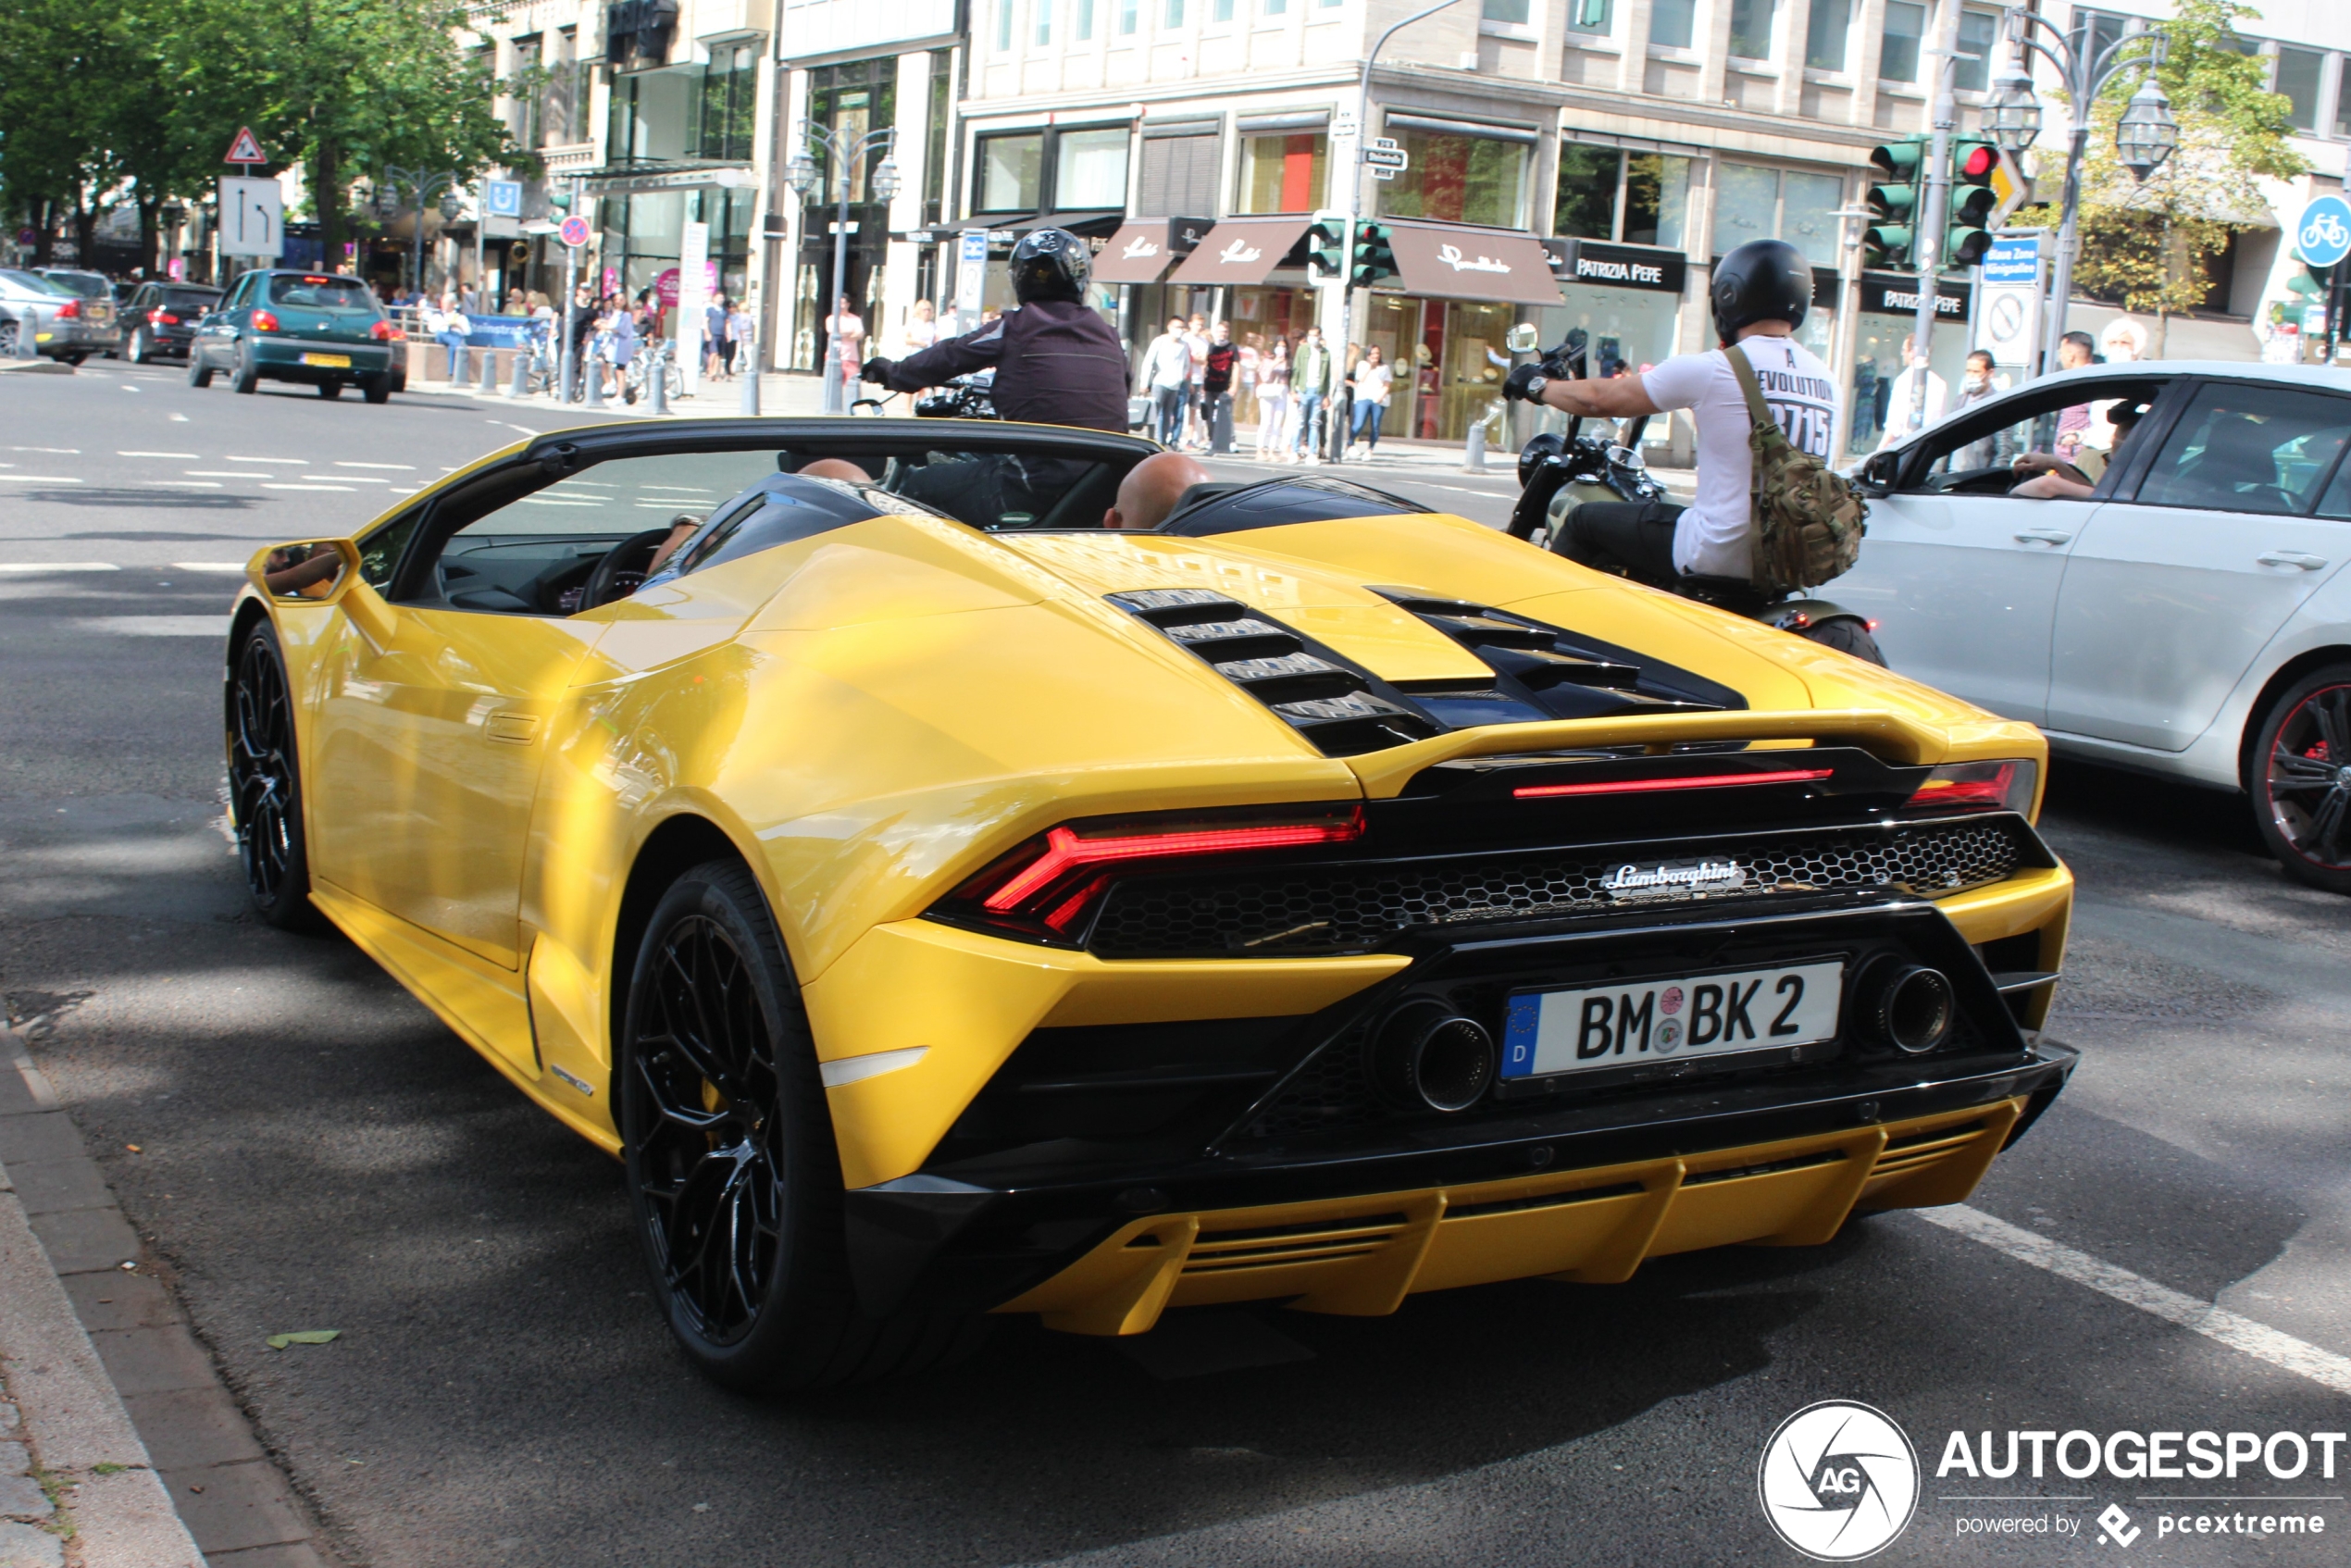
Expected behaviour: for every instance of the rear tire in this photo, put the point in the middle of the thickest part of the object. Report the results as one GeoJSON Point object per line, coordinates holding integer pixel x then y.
{"type": "Point", "coordinates": [246, 378]}
{"type": "Point", "coordinates": [1847, 637]}
{"type": "Point", "coordinates": [376, 389]}
{"type": "Point", "coordinates": [199, 373]}
{"type": "Point", "coordinates": [330, 389]}
{"type": "Point", "coordinates": [731, 1166]}
{"type": "Point", "coordinates": [136, 349]}
{"type": "Point", "coordinates": [2299, 776]}
{"type": "Point", "coordinates": [265, 785]}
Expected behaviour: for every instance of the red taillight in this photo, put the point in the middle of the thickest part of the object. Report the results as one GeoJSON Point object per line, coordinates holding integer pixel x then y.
{"type": "Point", "coordinates": [1691, 781]}
{"type": "Point", "coordinates": [162, 319]}
{"type": "Point", "coordinates": [1978, 785]}
{"type": "Point", "coordinates": [385, 332]}
{"type": "Point", "coordinates": [1055, 879]}
{"type": "Point", "coordinates": [68, 310]}
{"type": "Point", "coordinates": [310, 280]}
{"type": "Point", "coordinates": [263, 321]}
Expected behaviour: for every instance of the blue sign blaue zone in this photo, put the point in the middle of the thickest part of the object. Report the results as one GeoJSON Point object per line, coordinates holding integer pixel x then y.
{"type": "Point", "coordinates": [2014, 260]}
{"type": "Point", "coordinates": [502, 198]}
{"type": "Point", "coordinates": [2322, 235]}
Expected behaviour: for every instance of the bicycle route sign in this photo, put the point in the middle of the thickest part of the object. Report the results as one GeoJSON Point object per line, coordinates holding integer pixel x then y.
{"type": "Point", "coordinates": [2322, 235]}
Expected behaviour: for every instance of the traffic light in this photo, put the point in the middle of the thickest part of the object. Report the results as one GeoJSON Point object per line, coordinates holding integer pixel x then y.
{"type": "Point", "coordinates": [1893, 201]}
{"type": "Point", "coordinates": [1973, 199]}
{"type": "Point", "coordinates": [1375, 255]}
{"type": "Point", "coordinates": [559, 197]}
{"type": "Point", "coordinates": [1327, 246]}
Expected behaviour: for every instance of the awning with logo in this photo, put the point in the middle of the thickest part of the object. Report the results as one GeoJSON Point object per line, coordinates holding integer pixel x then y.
{"type": "Point", "coordinates": [1446, 261]}
{"type": "Point", "coordinates": [1242, 251]}
{"type": "Point", "coordinates": [1141, 250]}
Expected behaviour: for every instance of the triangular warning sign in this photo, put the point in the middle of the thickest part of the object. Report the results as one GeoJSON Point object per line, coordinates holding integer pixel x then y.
{"type": "Point", "coordinates": [246, 148]}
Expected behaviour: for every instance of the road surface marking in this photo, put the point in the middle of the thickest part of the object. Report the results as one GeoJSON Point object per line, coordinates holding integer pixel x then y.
{"type": "Point", "coordinates": [549, 500]}
{"type": "Point", "coordinates": [57, 450]}
{"type": "Point", "coordinates": [346, 489]}
{"type": "Point", "coordinates": [225, 474]}
{"type": "Point", "coordinates": [157, 625]}
{"type": "Point", "coordinates": [349, 478]}
{"type": "Point", "coordinates": [237, 566]}
{"type": "Point", "coordinates": [178, 418]}
{"type": "Point", "coordinates": [190, 456]}
{"type": "Point", "coordinates": [59, 566]}
{"type": "Point", "coordinates": [2216, 1323]}
{"type": "Point", "coordinates": [404, 467]}
{"type": "Point", "coordinates": [297, 462]}
{"type": "Point", "coordinates": [42, 479]}
{"type": "Point", "coordinates": [181, 484]}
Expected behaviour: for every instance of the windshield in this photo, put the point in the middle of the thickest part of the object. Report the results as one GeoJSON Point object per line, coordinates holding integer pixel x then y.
{"type": "Point", "coordinates": [318, 292]}
{"type": "Point", "coordinates": [88, 285]}
{"type": "Point", "coordinates": [35, 282]}
{"type": "Point", "coordinates": [198, 300]}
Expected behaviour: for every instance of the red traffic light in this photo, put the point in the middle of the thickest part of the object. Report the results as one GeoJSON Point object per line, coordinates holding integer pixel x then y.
{"type": "Point", "coordinates": [1977, 160]}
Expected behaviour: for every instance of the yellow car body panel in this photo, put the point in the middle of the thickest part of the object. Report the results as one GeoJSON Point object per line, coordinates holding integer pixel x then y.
{"type": "Point", "coordinates": [870, 717]}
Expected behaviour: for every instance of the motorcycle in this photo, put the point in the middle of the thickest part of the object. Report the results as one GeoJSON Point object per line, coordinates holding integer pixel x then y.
{"type": "Point", "coordinates": [965, 397]}
{"type": "Point", "coordinates": [1558, 473]}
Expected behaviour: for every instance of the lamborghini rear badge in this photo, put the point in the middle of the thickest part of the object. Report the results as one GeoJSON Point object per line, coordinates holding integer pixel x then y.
{"type": "Point", "coordinates": [1674, 880]}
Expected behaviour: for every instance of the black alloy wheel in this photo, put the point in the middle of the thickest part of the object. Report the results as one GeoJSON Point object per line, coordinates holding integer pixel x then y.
{"type": "Point", "coordinates": [2302, 780]}
{"type": "Point", "coordinates": [731, 1165]}
{"type": "Point", "coordinates": [265, 786]}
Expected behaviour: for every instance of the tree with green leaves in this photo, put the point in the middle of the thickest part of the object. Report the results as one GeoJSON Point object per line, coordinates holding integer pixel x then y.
{"type": "Point", "coordinates": [2150, 243]}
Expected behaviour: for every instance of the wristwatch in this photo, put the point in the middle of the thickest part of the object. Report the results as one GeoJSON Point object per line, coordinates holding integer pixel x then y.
{"type": "Point", "coordinates": [1534, 385]}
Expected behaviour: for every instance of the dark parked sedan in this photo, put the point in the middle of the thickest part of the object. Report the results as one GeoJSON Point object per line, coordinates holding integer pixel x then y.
{"type": "Point", "coordinates": [318, 328]}
{"type": "Point", "coordinates": [160, 320]}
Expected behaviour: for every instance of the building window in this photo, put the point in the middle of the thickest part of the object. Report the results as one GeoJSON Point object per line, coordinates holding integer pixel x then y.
{"type": "Point", "coordinates": [1089, 169]}
{"type": "Point", "coordinates": [1584, 208]}
{"type": "Point", "coordinates": [1824, 35]}
{"type": "Point", "coordinates": [2298, 79]}
{"type": "Point", "coordinates": [1178, 176]}
{"type": "Point", "coordinates": [1011, 172]}
{"type": "Point", "coordinates": [1672, 23]}
{"type": "Point", "coordinates": [1003, 26]}
{"type": "Point", "coordinates": [1043, 16]}
{"type": "Point", "coordinates": [1129, 16]}
{"type": "Point", "coordinates": [1591, 16]}
{"type": "Point", "coordinates": [1980, 36]}
{"type": "Point", "coordinates": [935, 135]}
{"type": "Point", "coordinates": [1753, 203]}
{"type": "Point", "coordinates": [2096, 32]}
{"type": "Point", "coordinates": [652, 115]}
{"type": "Point", "coordinates": [1085, 21]}
{"type": "Point", "coordinates": [729, 103]}
{"type": "Point", "coordinates": [1284, 173]}
{"type": "Point", "coordinates": [1897, 58]}
{"type": "Point", "coordinates": [1751, 28]}
{"type": "Point", "coordinates": [1657, 200]}
{"type": "Point", "coordinates": [1220, 10]}
{"type": "Point", "coordinates": [1513, 11]}
{"type": "Point", "coordinates": [1175, 13]}
{"type": "Point", "coordinates": [523, 121]}
{"type": "Point", "coordinates": [2342, 95]}
{"type": "Point", "coordinates": [1458, 179]}
{"type": "Point", "coordinates": [1276, 7]}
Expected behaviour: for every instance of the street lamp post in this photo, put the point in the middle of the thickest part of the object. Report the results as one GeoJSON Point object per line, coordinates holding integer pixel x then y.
{"type": "Point", "coordinates": [422, 187]}
{"type": "Point", "coordinates": [2145, 138]}
{"type": "Point", "coordinates": [842, 154]}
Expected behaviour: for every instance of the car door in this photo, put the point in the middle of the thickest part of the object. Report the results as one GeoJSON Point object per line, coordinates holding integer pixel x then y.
{"type": "Point", "coordinates": [431, 719]}
{"type": "Point", "coordinates": [217, 329]}
{"type": "Point", "coordinates": [2170, 593]}
{"type": "Point", "coordinates": [1961, 578]}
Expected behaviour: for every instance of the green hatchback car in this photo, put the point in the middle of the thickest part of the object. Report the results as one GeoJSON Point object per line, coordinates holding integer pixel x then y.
{"type": "Point", "coordinates": [307, 327]}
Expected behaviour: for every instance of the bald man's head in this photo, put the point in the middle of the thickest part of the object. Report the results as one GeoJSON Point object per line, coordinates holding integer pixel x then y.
{"type": "Point", "coordinates": [835, 469]}
{"type": "Point", "coordinates": [1151, 490]}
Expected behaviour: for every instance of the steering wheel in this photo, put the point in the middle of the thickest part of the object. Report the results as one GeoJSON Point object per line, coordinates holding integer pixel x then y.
{"type": "Point", "coordinates": [621, 571]}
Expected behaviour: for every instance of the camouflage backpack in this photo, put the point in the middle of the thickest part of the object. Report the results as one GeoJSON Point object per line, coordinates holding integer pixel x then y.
{"type": "Point", "coordinates": [1808, 521]}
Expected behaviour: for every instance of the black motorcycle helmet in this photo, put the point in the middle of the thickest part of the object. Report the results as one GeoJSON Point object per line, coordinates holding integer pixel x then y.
{"type": "Point", "coordinates": [1762, 280]}
{"type": "Point", "coordinates": [1050, 264]}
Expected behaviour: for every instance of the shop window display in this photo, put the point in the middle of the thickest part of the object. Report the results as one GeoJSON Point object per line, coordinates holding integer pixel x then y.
{"type": "Point", "coordinates": [1458, 179]}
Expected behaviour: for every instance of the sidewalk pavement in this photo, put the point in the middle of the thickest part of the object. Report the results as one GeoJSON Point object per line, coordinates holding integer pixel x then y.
{"type": "Point", "coordinates": [112, 1413]}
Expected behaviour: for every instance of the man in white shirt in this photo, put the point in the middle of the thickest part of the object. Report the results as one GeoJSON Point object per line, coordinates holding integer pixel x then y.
{"type": "Point", "coordinates": [1761, 293]}
{"type": "Point", "coordinates": [1902, 418]}
{"type": "Point", "coordinates": [1167, 381]}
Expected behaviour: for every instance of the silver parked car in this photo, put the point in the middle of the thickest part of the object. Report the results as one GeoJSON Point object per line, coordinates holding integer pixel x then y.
{"type": "Point", "coordinates": [101, 319]}
{"type": "Point", "coordinates": [61, 324]}
{"type": "Point", "coordinates": [2190, 617]}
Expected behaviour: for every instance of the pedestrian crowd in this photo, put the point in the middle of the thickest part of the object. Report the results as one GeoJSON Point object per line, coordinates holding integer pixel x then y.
{"type": "Point", "coordinates": [1308, 400]}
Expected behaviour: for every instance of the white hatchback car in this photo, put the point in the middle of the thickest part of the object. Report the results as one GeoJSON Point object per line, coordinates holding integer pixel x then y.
{"type": "Point", "coordinates": [2192, 618]}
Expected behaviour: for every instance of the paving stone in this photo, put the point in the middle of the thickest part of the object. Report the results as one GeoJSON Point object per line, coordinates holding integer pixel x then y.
{"type": "Point", "coordinates": [47, 1187]}
{"type": "Point", "coordinates": [188, 1428]}
{"type": "Point", "coordinates": [21, 1498]}
{"type": "Point", "coordinates": [241, 1506]}
{"type": "Point", "coordinates": [14, 1460]}
{"type": "Point", "coordinates": [47, 1135]}
{"type": "Point", "coordinates": [8, 1418]}
{"type": "Point", "coordinates": [21, 1546]}
{"type": "Point", "coordinates": [121, 1299]}
{"type": "Point", "coordinates": [294, 1554]}
{"type": "Point", "coordinates": [16, 1095]}
{"type": "Point", "coordinates": [80, 1239]}
{"type": "Point", "coordinates": [148, 1361]}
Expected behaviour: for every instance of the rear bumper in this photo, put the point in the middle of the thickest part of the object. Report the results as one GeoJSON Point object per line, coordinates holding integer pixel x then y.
{"type": "Point", "coordinates": [281, 359]}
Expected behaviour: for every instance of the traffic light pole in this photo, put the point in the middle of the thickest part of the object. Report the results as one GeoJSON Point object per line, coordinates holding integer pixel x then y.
{"type": "Point", "coordinates": [1926, 243]}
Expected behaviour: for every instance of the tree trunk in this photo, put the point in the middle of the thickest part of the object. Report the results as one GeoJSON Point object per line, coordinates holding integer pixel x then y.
{"type": "Point", "coordinates": [44, 244]}
{"type": "Point", "coordinates": [326, 194]}
{"type": "Point", "coordinates": [150, 237]}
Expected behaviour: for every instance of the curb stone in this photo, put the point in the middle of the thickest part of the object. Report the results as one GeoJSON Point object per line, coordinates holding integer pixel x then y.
{"type": "Point", "coordinates": [120, 1404]}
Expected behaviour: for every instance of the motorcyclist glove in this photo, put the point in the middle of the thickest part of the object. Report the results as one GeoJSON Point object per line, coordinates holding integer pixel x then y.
{"type": "Point", "coordinates": [878, 372]}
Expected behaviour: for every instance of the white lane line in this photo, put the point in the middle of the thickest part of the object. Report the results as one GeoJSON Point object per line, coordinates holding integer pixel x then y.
{"type": "Point", "coordinates": [237, 566]}
{"type": "Point", "coordinates": [349, 478]}
{"type": "Point", "coordinates": [59, 566]}
{"type": "Point", "coordinates": [127, 387]}
{"type": "Point", "coordinates": [42, 479]}
{"type": "Point", "coordinates": [190, 456]}
{"type": "Point", "coordinates": [238, 457]}
{"type": "Point", "coordinates": [178, 418]}
{"type": "Point", "coordinates": [181, 484]}
{"type": "Point", "coordinates": [225, 474]}
{"type": "Point", "coordinates": [404, 467]}
{"type": "Point", "coordinates": [157, 626]}
{"type": "Point", "coordinates": [344, 487]}
{"type": "Point", "coordinates": [2216, 1323]}
{"type": "Point", "coordinates": [58, 451]}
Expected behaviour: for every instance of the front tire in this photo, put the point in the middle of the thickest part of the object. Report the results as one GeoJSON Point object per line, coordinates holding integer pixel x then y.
{"type": "Point", "coordinates": [731, 1166]}
{"type": "Point", "coordinates": [199, 373]}
{"type": "Point", "coordinates": [2300, 778]}
{"type": "Point", "coordinates": [265, 785]}
{"type": "Point", "coordinates": [1847, 636]}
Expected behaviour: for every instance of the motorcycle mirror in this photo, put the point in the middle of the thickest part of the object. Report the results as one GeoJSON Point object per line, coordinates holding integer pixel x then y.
{"type": "Point", "coordinates": [1521, 339]}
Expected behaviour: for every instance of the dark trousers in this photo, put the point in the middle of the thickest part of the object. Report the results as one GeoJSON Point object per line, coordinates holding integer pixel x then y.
{"type": "Point", "coordinates": [1217, 419]}
{"type": "Point", "coordinates": [1169, 405]}
{"type": "Point", "coordinates": [1633, 537]}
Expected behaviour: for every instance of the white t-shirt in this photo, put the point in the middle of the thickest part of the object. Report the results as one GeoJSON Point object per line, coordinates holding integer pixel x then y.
{"type": "Point", "coordinates": [1711, 538]}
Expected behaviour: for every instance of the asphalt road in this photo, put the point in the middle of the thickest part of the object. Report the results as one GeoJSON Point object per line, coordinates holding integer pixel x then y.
{"type": "Point", "coordinates": [317, 1152]}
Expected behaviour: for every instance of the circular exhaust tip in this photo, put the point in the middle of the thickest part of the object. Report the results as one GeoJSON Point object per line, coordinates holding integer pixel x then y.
{"type": "Point", "coordinates": [1911, 1007]}
{"type": "Point", "coordinates": [1430, 1057]}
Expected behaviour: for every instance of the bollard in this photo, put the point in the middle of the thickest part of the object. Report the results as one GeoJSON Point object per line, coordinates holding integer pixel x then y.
{"type": "Point", "coordinates": [567, 373]}
{"type": "Point", "coordinates": [28, 329]}
{"type": "Point", "coordinates": [1475, 463]}
{"type": "Point", "coordinates": [460, 367]}
{"type": "Point", "coordinates": [518, 384]}
{"type": "Point", "coordinates": [749, 355]}
{"type": "Point", "coordinates": [592, 374]}
{"type": "Point", "coordinates": [488, 372]}
{"type": "Point", "coordinates": [658, 377]}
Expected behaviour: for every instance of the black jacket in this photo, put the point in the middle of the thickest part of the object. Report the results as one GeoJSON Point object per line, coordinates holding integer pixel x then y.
{"type": "Point", "coordinates": [1057, 363]}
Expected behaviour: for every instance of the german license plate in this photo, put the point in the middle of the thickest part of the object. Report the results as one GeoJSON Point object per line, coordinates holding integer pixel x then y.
{"type": "Point", "coordinates": [328, 361]}
{"type": "Point", "coordinates": [1646, 1022]}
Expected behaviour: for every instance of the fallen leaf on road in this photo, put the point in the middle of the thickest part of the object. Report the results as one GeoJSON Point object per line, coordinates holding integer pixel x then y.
{"type": "Point", "coordinates": [134, 1148]}
{"type": "Point", "coordinates": [303, 1336]}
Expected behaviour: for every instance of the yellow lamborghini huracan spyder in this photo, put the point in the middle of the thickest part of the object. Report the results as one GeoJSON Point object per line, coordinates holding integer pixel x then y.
{"type": "Point", "coordinates": [951, 908]}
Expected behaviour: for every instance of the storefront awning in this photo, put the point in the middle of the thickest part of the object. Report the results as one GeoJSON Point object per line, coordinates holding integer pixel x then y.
{"type": "Point", "coordinates": [1141, 250]}
{"type": "Point", "coordinates": [1242, 251]}
{"type": "Point", "coordinates": [1446, 261]}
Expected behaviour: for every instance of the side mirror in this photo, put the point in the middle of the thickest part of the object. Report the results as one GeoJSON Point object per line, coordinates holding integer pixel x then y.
{"type": "Point", "coordinates": [1878, 473]}
{"type": "Point", "coordinates": [1521, 339]}
{"type": "Point", "coordinates": [317, 572]}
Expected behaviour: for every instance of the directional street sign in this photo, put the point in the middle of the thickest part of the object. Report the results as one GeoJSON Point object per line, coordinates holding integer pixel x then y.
{"type": "Point", "coordinates": [574, 231]}
{"type": "Point", "coordinates": [246, 148]}
{"type": "Point", "coordinates": [253, 217]}
{"type": "Point", "coordinates": [1386, 157]}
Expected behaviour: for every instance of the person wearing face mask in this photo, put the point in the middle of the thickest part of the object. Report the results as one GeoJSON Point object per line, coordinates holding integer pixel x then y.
{"type": "Point", "coordinates": [1979, 385]}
